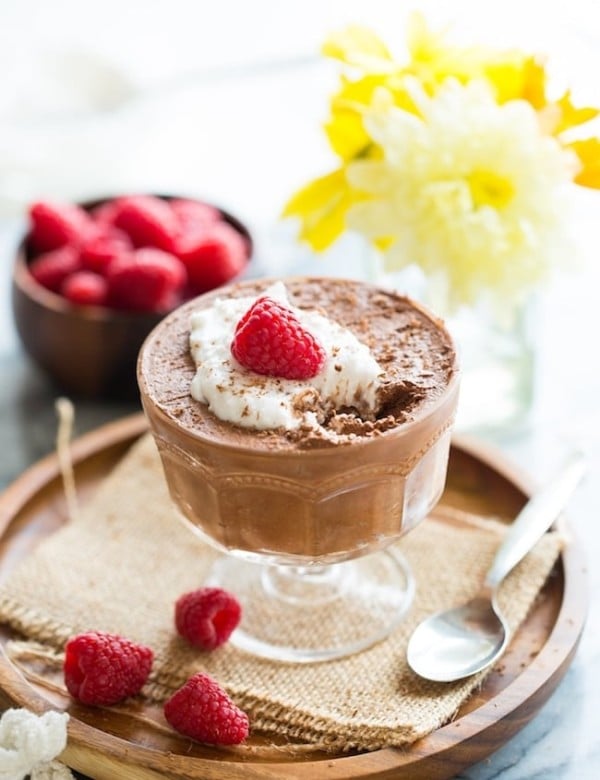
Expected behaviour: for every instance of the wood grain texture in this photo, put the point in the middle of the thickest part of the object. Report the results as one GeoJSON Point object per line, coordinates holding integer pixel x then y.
{"type": "Point", "coordinates": [133, 741]}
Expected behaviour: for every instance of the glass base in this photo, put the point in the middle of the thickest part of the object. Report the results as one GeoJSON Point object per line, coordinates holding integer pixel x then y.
{"type": "Point", "coordinates": [304, 614]}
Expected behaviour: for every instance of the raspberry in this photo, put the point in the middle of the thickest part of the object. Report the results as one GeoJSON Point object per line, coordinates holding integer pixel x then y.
{"type": "Point", "coordinates": [100, 250]}
{"type": "Point", "coordinates": [54, 225]}
{"type": "Point", "coordinates": [103, 669]}
{"type": "Point", "coordinates": [193, 216]}
{"type": "Point", "coordinates": [85, 288]}
{"type": "Point", "coordinates": [202, 710]}
{"type": "Point", "coordinates": [146, 280]}
{"type": "Point", "coordinates": [52, 268]}
{"type": "Point", "coordinates": [213, 257]}
{"type": "Point", "coordinates": [104, 214]}
{"type": "Point", "coordinates": [147, 220]}
{"type": "Point", "coordinates": [270, 340]}
{"type": "Point", "coordinates": [206, 617]}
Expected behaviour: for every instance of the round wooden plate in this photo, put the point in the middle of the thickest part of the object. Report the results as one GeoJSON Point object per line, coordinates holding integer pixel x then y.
{"type": "Point", "coordinates": [132, 741]}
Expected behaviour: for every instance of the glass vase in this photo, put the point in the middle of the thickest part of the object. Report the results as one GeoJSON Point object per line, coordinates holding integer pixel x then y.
{"type": "Point", "coordinates": [497, 353]}
{"type": "Point", "coordinates": [497, 350]}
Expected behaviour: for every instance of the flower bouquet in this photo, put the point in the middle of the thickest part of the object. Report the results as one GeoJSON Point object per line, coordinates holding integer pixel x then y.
{"type": "Point", "coordinates": [455, 160]}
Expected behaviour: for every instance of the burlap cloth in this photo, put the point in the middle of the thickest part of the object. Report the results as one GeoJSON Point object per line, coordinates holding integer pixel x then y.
{"type": "Point", "coordinates": [120, 565]}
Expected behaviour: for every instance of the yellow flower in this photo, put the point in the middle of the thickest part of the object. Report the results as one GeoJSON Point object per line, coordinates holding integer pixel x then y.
{"type": "Point", "coordinates": [513, 74]}
{"type": "Point", "coordinates": [469, 188]}
{"type": "Point", "coordinates": [431, 59]}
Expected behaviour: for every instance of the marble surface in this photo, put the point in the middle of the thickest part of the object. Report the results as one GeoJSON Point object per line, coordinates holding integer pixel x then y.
{"type": "Point", "coordinates": [226, 103]}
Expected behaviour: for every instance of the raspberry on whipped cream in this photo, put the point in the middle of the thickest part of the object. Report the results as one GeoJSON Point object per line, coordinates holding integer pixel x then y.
{"type": "Point", "coordinates": [350, 376]}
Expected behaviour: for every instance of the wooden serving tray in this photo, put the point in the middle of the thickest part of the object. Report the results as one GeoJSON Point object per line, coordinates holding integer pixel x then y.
{"type": "Point", "coordinates": [131, 742]}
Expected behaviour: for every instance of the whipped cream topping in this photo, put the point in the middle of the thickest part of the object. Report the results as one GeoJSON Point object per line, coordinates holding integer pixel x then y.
{"type": "Point", "coordinates": [349, 378]}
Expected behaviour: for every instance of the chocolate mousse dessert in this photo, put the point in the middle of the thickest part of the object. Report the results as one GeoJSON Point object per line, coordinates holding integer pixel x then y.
{"type": "Point", "coordinates": [306, 420]}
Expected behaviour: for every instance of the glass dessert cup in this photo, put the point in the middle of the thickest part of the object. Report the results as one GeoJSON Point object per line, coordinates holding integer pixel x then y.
{"type": "Point", "coordinates": [307, 535]}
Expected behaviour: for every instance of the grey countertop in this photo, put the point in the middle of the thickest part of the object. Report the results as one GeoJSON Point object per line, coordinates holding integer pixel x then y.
{"type": "Point", "coordinates": [241, 127]}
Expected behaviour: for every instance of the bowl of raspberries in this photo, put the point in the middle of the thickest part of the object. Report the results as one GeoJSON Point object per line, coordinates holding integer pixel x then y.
{"type": "Point", "coordinates": [91, 280]}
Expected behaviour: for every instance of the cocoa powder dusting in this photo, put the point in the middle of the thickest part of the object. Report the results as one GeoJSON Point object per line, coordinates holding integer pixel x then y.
{"type": "Point", "coordinates": [416, 356]}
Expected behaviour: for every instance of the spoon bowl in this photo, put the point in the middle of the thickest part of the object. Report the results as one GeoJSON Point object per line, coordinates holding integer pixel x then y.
{"type": "Point", "coordinates": [458, 642]}
{"type": "Point", "coordinates": [474, 635]}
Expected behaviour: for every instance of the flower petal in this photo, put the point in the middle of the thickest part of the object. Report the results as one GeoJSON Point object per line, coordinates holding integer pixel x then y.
{"type": "Point", "coordinates": [357, 45]}
{"type": "Point", "coordinates": [588, 152]}
{"type": "Point", "coordinates": [316, 195]}
{"type": "Point", "coordinates": [571, 116]}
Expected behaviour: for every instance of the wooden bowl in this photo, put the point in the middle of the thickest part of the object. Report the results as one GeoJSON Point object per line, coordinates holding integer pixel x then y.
{"type": "Point", "coordinates": [89, 352]}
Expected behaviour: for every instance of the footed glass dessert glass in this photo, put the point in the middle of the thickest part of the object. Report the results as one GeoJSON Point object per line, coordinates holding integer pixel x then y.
{"type": "Point", "coordinates": [306, 526]}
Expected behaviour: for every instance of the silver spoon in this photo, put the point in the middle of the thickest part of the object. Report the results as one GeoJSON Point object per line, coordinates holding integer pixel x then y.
{"type": "Point", "coordinates": [458, 642]}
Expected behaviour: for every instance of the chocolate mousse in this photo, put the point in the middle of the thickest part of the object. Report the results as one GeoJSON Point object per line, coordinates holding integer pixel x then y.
{"type": "Point", "coordinates": [341, 479]}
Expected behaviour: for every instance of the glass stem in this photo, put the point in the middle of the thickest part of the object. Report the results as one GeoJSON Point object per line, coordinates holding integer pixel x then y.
{"type": "Point", "coordinates": [316, 584]}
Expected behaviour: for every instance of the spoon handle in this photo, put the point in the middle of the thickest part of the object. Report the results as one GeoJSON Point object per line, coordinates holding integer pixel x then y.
{"type": "Point", "coordinates": [534, 519]}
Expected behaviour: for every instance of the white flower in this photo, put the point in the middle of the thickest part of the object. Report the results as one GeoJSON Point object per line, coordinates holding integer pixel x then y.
{"type": "Point", "coordinates": [29, 742]}
{"type": "Point", "coordinates": [467, 188]}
